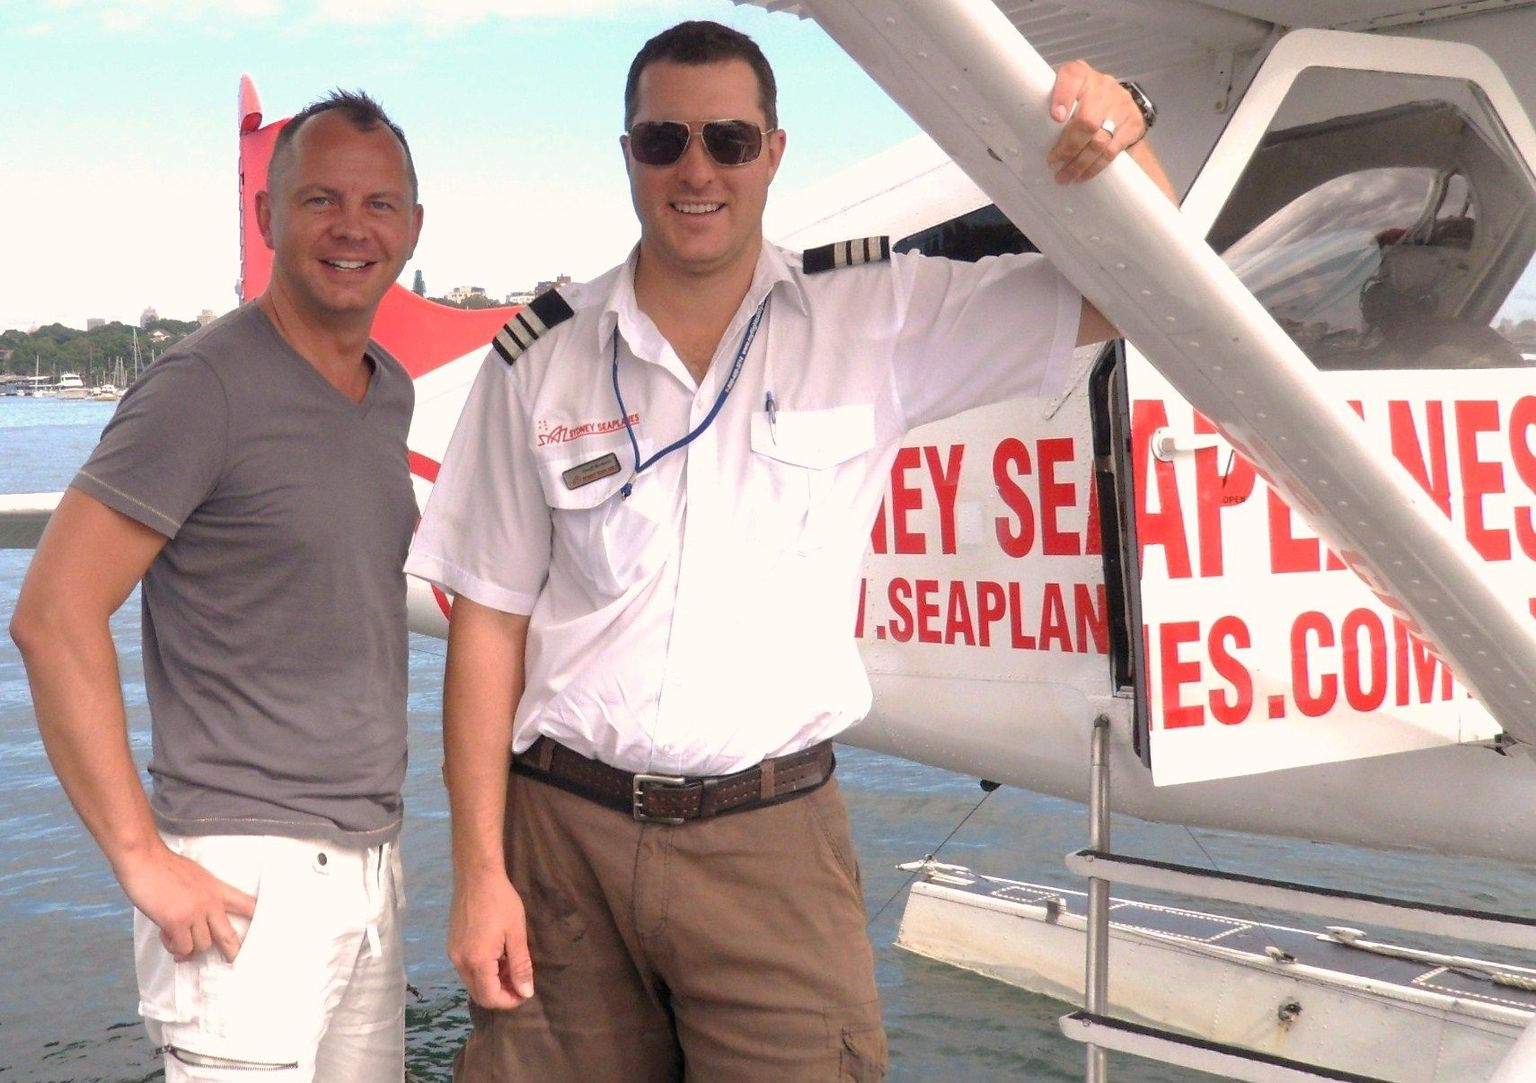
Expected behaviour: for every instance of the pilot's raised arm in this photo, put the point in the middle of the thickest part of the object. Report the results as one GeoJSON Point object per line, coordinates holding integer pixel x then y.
{"type": "Point", "coordinates": [1101, 116]}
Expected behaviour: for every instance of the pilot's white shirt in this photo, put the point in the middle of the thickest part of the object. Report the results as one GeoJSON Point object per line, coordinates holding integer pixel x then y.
{"type": "Point", "coordinates": [705, 622]}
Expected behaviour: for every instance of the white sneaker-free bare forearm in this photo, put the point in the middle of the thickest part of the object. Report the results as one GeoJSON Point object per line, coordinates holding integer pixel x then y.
{"type": "Point", "coordinates": [487, 935]}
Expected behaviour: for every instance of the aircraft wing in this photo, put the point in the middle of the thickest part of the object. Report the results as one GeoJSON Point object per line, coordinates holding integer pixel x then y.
{"type": "Point", "coordinates": [979, 89]}
{"type": "Point", "coordinates": [23, 516]}
{"type": "Point", "coordinates": [1133, 37]}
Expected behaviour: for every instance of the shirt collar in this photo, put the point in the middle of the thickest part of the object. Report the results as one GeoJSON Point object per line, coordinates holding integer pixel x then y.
{"type": "Point", "coordinates": [772, 275]}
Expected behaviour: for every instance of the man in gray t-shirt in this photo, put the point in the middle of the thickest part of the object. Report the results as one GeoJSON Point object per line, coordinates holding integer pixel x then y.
{"type": "Point", "coordinates": [255, 481]}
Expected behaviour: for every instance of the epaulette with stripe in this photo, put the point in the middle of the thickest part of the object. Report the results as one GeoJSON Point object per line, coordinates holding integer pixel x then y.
{"type": "Point", "coordinates": [845, 254]}
{"type": "Point", "coordinates": [537, 316]}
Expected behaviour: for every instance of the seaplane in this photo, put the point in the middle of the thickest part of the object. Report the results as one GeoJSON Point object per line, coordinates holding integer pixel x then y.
{"type": "Point", "coordinates": [1267, 564]}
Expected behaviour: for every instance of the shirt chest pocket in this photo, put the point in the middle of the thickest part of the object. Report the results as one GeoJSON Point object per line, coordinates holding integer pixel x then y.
{"type": "Point", "coordinates": [612, 543]}
{"type": "Point", "coordinates": [807, 462]}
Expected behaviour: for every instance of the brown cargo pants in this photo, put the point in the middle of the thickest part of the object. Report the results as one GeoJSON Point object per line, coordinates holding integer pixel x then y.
{"type": "Point", "coordinates": [729, 949]}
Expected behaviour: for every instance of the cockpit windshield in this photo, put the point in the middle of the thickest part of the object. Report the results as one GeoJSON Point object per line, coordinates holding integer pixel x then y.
{"type": "Point", "coordinates": [1397, 237]}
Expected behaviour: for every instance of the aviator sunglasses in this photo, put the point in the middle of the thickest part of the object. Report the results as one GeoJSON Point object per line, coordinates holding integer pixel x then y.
{"type": "Point", "coordinates": [728, 142]}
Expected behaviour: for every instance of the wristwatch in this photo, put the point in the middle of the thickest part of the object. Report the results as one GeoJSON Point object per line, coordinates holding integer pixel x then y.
{"type": "Point", "coordinates": [1142, 102]}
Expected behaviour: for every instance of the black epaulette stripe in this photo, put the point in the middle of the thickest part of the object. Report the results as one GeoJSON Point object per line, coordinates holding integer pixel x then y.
{"type": "Point", "coordinates": [537, 316]}
{"type": "Point", "coordinates": [845, 254]}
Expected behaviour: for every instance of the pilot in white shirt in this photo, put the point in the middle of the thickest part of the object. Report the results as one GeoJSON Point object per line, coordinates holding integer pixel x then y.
{"type": "Point", "coordinates": [728, 573]}
{"type": "Point", "coordinates": [652, 515]}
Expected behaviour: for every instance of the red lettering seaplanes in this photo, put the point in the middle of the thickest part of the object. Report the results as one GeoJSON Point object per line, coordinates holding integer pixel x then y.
{"type": "Point", "coordinates": [1219, 485]}
{"type": "Point", "coordinates": [1010, 461]}
{"type": "Point", "coordinates": [1053, 620]}
{"type": "Point", "coordinates": [1354, 661]}
{"type": "Point", "coordinates": [1299, 666]}
{"type": "Point", "coordinates": [1425, 453]}
{"type": "Point", "coordinates": [1368, 671]}
{"type": "Point", "coordinates": [1182, 650]}
{"type": "Point", "coordinates": [1229, 635]}
{"type": "Point", "coordinates": [1417, 667]}
{"type": "Point", "coordinates": [1433, 471]}
{"type": "Point", "coordinates": [1311, 632]}
{"type": "Point", "coordinates": [1057, 505]}
{"type": "Point", "coordinates": [1164, 527]}
{"type": "Point", "coordinates": [906, 498]}
{"type": "Point", "coordinates": [1066, 618]}
{"type": "Point", "coordinates": [1522, 447]}
{"type": "Point", "coordinates": [1480, 478]}
{"type": "Point", "coordinates": [1179, 669]}
{"type": "Point", "coordinates": [896, 527]}
{"type": "Point", "coordinates": [1365, 663]}
{"type": "Point", "coordinates": [946, 485]}
{"type": "Point", "coordinates": [959, 627]}
{"type": "Point", "coordinates": [1054, 496]}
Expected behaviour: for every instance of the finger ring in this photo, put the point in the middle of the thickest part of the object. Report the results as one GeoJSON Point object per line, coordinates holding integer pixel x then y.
{"type": "Point", "coordinates": [1109, 126]}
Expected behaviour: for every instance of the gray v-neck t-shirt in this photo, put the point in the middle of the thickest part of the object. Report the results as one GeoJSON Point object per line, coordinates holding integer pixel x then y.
{"type": "Point", "coordinates": [274, 618]}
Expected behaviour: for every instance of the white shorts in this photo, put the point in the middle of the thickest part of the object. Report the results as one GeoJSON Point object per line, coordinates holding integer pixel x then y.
{"type": "Point", "coordinates": [317, 991]}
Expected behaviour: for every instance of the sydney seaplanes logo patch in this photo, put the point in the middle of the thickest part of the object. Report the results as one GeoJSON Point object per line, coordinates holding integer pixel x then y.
{"type": "Point", "coordinates": [553, 433]}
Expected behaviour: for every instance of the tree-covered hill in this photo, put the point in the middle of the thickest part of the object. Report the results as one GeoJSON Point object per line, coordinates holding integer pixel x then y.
{"type": "Point", "coordinates": [56, 348]}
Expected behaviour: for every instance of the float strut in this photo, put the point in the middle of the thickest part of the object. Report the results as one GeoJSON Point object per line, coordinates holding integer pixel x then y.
{"type": "Point", "coordinates": [1096, 985]}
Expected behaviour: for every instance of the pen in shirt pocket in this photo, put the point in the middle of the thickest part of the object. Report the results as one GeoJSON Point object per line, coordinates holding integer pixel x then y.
{"type": "Point", "coordinates": [771, 408]}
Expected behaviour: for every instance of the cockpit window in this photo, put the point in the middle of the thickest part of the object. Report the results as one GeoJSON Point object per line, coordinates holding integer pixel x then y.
{"type": "Point", "coordinates": [1398, 237]}
{"type": "Point", "coordinates": [1310, 263]}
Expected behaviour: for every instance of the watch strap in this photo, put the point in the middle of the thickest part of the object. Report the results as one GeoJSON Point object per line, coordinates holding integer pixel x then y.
{"type": "Point", "coordinates": [1142, 102]}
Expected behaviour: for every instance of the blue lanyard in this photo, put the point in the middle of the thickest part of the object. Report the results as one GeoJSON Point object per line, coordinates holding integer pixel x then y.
{"type": "Point", "coordinates": [730, 382]}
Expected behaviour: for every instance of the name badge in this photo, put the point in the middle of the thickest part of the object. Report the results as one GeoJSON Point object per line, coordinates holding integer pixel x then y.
{"type": "Point", "coordinates": [587, 473]}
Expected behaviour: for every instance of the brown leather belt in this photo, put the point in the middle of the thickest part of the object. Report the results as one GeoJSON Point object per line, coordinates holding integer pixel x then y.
{"type": "Point", "coordinates": [671, 799]}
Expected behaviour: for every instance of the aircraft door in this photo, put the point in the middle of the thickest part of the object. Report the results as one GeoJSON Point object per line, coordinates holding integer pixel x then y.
{"type": "Point", "coordinates": [1384, 212]}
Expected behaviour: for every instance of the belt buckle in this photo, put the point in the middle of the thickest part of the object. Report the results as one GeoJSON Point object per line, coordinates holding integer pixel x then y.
{"type": "Point", "coordinates": [638, 793]}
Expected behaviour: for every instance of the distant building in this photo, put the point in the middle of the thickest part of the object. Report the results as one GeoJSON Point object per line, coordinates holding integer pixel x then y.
{"type": "Point", "coordinates": [158, 335]}
{"type": "Point", "coordinates": [520, 297]}
{"type": "Point", "coordinates": [93, 322]}
{"type": "Point", "coordinates": [459, 294]}
{"type": "Point", "coordinates": [205, 317]}
{"type": "Point", "coordinates": [148, 316]}
{"type": "Point", "coordinates": [545, 287]}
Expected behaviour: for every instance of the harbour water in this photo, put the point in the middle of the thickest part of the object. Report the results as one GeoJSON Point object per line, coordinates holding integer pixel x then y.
{"type": "Point", "coordinates": [66, 975]}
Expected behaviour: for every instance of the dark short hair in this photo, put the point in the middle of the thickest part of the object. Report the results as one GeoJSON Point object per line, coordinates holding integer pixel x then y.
{"type": "Point", "coordinates": [363, 112]}
{"type": "Point", "coordinates": [703, 42]}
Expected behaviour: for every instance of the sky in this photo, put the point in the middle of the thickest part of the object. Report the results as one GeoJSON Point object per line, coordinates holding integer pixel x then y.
{"type": "Point", "coordinates": [118, 134]}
